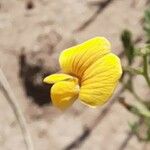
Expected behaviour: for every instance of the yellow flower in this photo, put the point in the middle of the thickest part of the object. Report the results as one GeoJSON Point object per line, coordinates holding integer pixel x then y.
{"type": "Point", "coordinates": [90, 73]}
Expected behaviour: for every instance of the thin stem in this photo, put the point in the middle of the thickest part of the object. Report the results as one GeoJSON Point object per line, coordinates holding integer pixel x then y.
{"type": "Point", "coordinates": [145, 71]}
{"type": "Point", "coordinates": [4, 85]}
{"type": "Point", "coordinates": [133, 71]}
{"type": "Point", "coordinates": [132, 91]}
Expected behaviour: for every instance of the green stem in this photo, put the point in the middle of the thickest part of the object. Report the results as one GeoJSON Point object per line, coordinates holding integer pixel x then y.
{"type": "Point", "coordinates": [145, 71]}
{"type": "Point", "coordinates": [133, 71]}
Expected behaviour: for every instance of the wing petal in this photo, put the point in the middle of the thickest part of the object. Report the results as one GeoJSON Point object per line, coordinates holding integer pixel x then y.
{"type": "Point", "coordinates": [100, 80]}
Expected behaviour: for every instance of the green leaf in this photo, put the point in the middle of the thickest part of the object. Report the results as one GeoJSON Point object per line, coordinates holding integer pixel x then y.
{"type": "Point", "coordinates": [141, 109]}
{"type": "Point", "coordinates": [128, 45]}
{"type": "Point", "coordinates": [147, 24]}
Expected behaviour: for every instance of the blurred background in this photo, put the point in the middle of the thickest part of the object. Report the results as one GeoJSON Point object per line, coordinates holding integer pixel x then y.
{"type": "Point", "coordinates": [32, 34]}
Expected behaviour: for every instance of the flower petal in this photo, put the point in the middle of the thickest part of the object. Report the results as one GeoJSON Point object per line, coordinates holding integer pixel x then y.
{"type": "Point", "coordinates": [57, 78]}
{"type": "Point", "coordinates": [100, 80]}
{"type": "Point", "coordinates": [77, 59]}
{"type": "Point", "coordinates": [64, 93]}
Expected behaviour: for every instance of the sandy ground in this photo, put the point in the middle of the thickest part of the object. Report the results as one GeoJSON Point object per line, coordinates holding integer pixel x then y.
{"type": "Point", "coordinates": [38, 30]}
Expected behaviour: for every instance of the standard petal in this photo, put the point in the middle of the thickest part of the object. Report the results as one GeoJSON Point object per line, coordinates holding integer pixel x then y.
{"type": "Point", "coordinates": [100, 80]}
{"type": "Point", "coordinates": [77, 59]}
{"type": "Point", "coordinates": [64, 93]}
{"type": "Point", "coordinates": [57, 78]}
